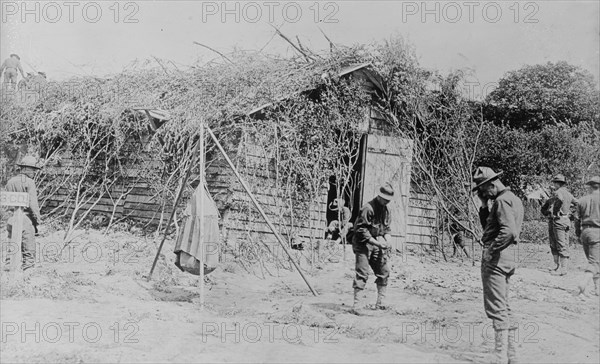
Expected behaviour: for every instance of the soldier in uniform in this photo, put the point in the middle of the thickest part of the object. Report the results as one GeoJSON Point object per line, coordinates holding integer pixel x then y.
{"type": "Point", "coordinates": [557, 210]}
{"type": "Point", "coordinates": [23, 182]}
{"type": "Point", "coordinates": [10, 66]}
{"type": "Point", "coordinates": [457, 233]}
{"type": "Point", "coordinates": [502, 224]}
{"type": "Point", "coordinates": [369, 243]}
{"type": "Point", "coordinates": [337, 230]}
{"type": "Point", "coordinates": [587, 228]}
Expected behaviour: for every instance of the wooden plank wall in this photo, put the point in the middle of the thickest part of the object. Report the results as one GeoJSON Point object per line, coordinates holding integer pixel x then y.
{"type": "Point", "coordinates": [239, 216]}
{"type": "Point", "coordinates": [422, 219]}
{"type": "Point", "coordinates": [135, 198]}
{"type": "Point", "coordinates": [422, 212]}
{"type": "Point", "coordinates": [292, 217]}
{"type": "Point", "coordinates": [388, 159]}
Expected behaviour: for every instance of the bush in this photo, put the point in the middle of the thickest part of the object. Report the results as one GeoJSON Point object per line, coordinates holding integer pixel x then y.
{"type": "Point", "coordinates": [535, 232]}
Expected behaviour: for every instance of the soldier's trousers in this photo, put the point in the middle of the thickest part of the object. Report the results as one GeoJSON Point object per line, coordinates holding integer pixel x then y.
{"type": "Point", "coordinates": [27, 244]}
{"type": "Point", "coordinates": [559, 239]}
{"type": "Point", "coordinates": [495, 276]}
{"type": "Point", "coordinates": [590, 240]}
{"type": "Point", "coordinates": [10, 75]}
{"type": "Point", "coordinates": [369, 255]}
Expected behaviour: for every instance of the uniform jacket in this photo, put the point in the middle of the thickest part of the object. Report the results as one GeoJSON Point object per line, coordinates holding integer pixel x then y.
{"type": "Point", "coordinates": [503, 223]}
{"type": "Point", "coordinates": [559, 206]}
{"type": "Point", "coordinates": [501, 229]}
{"type": "Point", "coordinates": [373, 220]}
{"type": "Point", "coordinates": [588, 212]}
{"type": "Point", "coordinates": [22, 183]}
{"type": "Point", "coordinates": [11, 63]}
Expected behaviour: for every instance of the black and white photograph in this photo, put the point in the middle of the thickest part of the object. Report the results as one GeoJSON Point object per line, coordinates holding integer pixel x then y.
{"type": "Point", "coordinates": [309, 181]}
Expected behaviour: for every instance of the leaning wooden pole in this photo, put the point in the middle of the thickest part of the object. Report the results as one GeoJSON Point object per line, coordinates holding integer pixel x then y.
{"type": "Point", "coordinates": [183, 183]}
{"type": "Point", "coordinates": [201, 215]}
{"type": "Point", "coordinates": [259, 208]}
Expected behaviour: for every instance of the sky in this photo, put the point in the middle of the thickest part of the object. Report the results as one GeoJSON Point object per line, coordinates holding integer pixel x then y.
{"type": "Point", "coordinates": [488, 38]}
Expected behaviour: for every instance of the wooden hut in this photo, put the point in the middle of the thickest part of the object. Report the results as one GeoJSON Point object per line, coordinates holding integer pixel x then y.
{"type": "Point", "coordinates": [383, 158]}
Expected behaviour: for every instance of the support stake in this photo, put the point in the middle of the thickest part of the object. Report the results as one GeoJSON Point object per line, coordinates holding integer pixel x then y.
{"type": "Point", "coordinates": [183, 183]}
{"type": "Point", "coordinates": [259, 208]}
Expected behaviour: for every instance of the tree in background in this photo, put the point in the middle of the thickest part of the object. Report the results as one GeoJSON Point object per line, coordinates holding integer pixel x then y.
{"type": "Point", "coordinates": [529, 158]}
{"type": "Point", "coordinates": [542, 120]}
{"type": "Point", "coordinates": [540, 95]}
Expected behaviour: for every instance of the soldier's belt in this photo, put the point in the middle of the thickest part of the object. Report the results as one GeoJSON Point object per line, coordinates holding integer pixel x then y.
{"type": "Point", "coordinates": [589, 226]}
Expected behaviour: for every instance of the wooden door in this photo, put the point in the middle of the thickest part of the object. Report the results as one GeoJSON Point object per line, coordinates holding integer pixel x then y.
{"type": "Point", "coordinates": [388, 159]}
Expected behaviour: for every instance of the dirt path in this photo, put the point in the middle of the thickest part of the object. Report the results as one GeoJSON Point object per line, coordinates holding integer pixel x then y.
{"type": "Point", "coordinates": [95, 306]}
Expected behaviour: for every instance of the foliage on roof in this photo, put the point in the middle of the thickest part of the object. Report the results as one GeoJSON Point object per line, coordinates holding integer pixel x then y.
{"type": "Point", "coordinates": [98, 123]}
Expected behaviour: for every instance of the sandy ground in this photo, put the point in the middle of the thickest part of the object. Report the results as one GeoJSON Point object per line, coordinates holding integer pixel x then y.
{"type": "Point", "coordinates": [92, 304]}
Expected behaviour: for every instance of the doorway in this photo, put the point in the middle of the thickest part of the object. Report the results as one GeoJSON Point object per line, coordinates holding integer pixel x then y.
{"type": "Point", "coordinates": [353, 193]}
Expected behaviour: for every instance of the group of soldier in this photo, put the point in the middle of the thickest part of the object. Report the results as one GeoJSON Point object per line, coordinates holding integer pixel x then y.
{"type": "Point", "coordinates": [562, 208]}
{"type": "Point", "coordinates": [501, 216]}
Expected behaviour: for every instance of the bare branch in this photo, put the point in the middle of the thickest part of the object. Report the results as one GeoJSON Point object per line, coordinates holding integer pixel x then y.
{"type": "Point", "coordinates": [214, 50]}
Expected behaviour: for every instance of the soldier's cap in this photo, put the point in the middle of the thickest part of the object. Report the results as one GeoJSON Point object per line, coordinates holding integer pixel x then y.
{"type": "Point", "coordinates": [484, 175]}
{"type": "Point", "coordinates": [386, 192]}
{"type": "Point", "coordinates": [559, 178]}
{"type": "Point", "coordinates": [16, 56]}
{"type": "Point", "coordinates": [593, 181]}
{"type": "Point", "coordinates": [28, 161]}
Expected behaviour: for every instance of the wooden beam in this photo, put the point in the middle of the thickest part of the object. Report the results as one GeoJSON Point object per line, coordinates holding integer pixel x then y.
{"type": "Point", "coordinates": [183, 183]}
{"type": "Point", "coordinates": [259, 208]}
{"type": "Point", "coordinates": [201, 214]}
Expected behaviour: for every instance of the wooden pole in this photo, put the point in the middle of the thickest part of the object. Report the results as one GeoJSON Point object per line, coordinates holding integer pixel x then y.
{"type": "Point", "coordinates": [183, 183]}
{"type": "Point", "coordinates": [201, 214]}
{"type": "Point", "coordinates": [259, 208]}
{"type": "Point", "coordinates": [342, 237]}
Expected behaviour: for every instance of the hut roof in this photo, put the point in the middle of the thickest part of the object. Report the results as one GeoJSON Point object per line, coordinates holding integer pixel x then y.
{"type": "Point", "coordinates": [363, 72]}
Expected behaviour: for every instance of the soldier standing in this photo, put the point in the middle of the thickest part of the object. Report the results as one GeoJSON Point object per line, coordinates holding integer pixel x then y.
{"type": "Point", "coordinates": [501, 229]}
{"type": "Point", "coordinates": [23, 182]}
{"type": "Point", "coordinates": [557, 210]}
{"type": "Point", "coordinates": [370, 242]}
{"type": "Point", "coordinates": [587, 228]}
{"type": "Point", "coordinates": [10, 66]}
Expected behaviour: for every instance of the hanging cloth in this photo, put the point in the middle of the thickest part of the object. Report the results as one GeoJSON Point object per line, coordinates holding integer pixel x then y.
{"type": "Point", "coordinates": [198, 242]}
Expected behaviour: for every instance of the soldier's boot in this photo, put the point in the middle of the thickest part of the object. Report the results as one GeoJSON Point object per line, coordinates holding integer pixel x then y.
{"type": "Point", "coordinates": [512, 347]}
{"type": "Point", "coordinates": [500, 347]}
{"type": "Point", "coordinates": [556, 262]}
{"type": "Point", "coordinates": [587, 277]}
{"type": "Point", "coordinates": [358, 306]}
{"type": "Point", "coordinates": [380, 304]}
{"type": "Point", "coordinates": [562, 270]}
